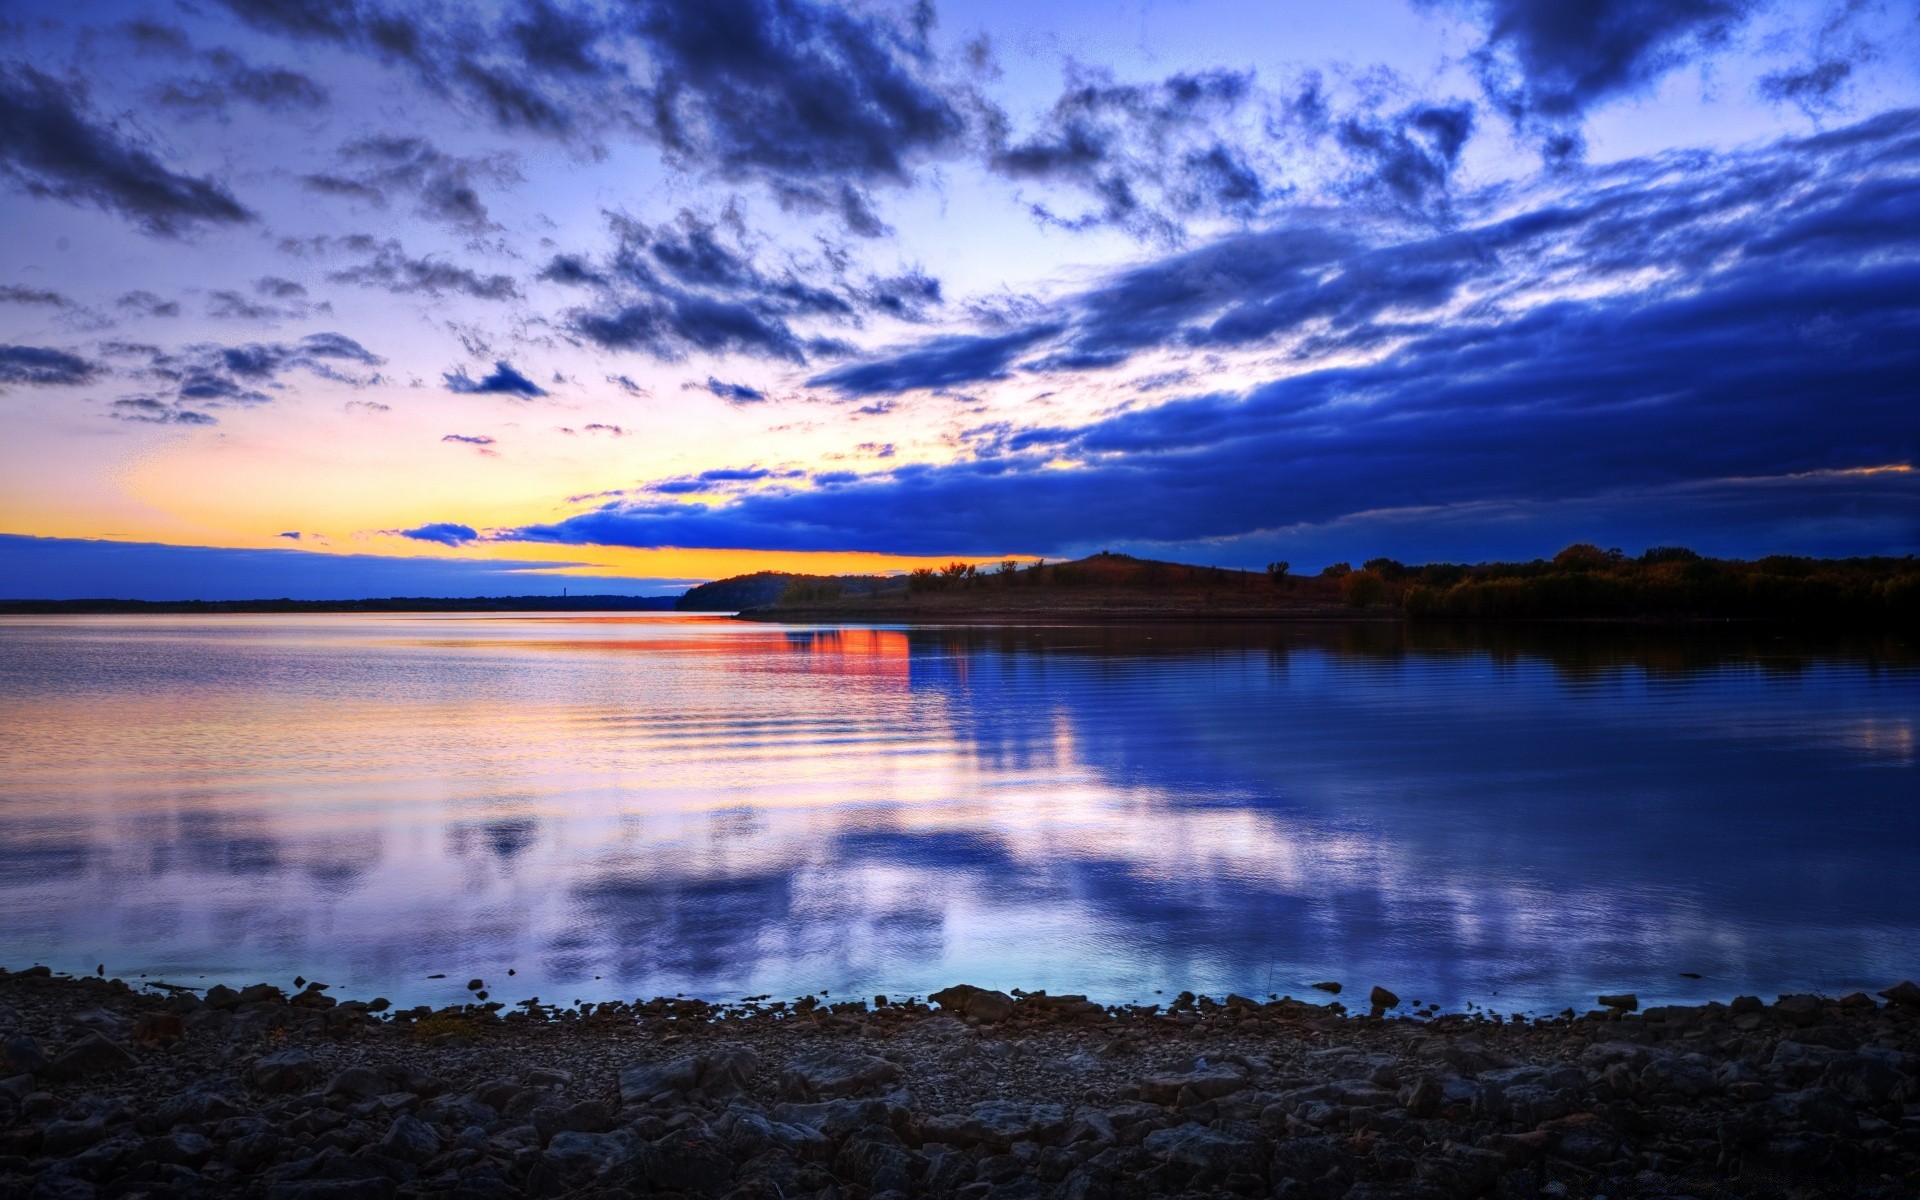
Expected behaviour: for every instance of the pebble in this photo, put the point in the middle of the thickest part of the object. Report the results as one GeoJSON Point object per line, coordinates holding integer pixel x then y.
{"type": "Point", "coordinates": [1027, 1097]}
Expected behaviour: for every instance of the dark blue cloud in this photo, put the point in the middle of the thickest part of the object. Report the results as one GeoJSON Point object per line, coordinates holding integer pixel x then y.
{"type": "Point", "coordinates": [44, 568]}
{"type": "Point", "coordinates": [444, 186]}
{"type": "Point", "coordinates": [735, 393]}
{"type": "Point", "coordinates": [671, 289]}
{"type": "Point", "coordinates": [148, 410]}
{"type": "Point", "coordinates": [52, 145]}
{"type": "Point", "coordinates": [1148, 156]}
{"type": "Point", "coordinates": [1765, 348]}
{"type": "Point", "coordinates": [231, 78]}
{"type": "Point", "coordinates": [445, 533]}
{"type": "Point", "coordinates": [38, 365]}
{"type": "Point", "coordinates": [941, 362]}
{"type": "Point", "coordinates": [504, 381]}
{"type": "Point", "coordinates": [815, 100]}
{"type": "Point", "coordinates": [391, 268]}
{"type": "Point", "coordinates": [1554, 59]}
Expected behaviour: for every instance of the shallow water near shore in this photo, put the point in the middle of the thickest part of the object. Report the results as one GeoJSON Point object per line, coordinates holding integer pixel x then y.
{"type": "Point", "coordinates": [637, 804]}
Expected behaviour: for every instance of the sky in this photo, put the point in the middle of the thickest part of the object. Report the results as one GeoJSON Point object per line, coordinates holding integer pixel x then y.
{"type": "Point", "coordinates": [332, 298]}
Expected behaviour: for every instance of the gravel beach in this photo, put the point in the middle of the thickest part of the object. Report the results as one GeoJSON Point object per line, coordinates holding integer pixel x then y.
{"type": "Point", "coordinates": [107, 1090]}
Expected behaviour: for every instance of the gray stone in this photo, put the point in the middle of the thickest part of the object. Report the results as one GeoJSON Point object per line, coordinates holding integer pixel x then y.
{"type": "Point", "coordinates": [410, 1139]}
{"type": "Point", "coordinates": [1192, 1086]}
{"type": "Point", "coordinates": [832, 1073]}
{"type": "Point", "coordinates": [21, 1055]}
{"type": "Point", "coordinates": [687, 1160]}
{"type": "Point", "coordinates": [576, 1159]}
{"type": "Point", "coordinates": [1001, 1123]}
{"type": "Point", "coordinates": [181, 1147]}
{"type": "Point", "coordinates": [361, 1083]}
{"type": "Point", "coordinates": [1214, 1153]}
{"type": "Point", "coordinates": [94, 1054]}
{"type": "Point", "coordinates": [283, 1072]}
{"type": "Point", "coordinates": [373, 1188]}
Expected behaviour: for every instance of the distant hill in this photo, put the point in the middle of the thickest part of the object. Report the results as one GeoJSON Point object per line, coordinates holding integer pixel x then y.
{"type": "Point", "coordinates": [387, 604]}
{"type": "Point", "coordinates": [1582, 582]}
{"type": "Point", "coordinates": [765, 589]}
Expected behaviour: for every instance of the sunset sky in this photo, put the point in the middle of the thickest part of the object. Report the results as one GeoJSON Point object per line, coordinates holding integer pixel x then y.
{"type": "Point", "coordinates": [334, 298]}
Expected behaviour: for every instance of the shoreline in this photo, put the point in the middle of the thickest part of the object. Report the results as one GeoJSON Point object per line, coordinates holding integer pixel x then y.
{"type": "Point", "coordinates": [107, 1090]}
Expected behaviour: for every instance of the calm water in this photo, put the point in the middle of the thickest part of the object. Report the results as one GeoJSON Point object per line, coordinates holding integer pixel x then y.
{"type": "Point", "coordinates": [628, 806]}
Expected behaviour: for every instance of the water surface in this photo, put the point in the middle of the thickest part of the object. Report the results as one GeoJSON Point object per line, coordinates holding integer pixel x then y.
{"type": "Point", "coordinates": [632, 805]}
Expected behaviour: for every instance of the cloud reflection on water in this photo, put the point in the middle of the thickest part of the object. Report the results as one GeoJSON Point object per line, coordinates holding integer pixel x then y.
{"type": "Point", "coordinates": [625, 806]}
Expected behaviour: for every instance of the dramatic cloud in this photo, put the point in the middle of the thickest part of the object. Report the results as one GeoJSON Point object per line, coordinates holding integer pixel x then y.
{"type": "Point", "coordinates": [1148, 156]}
{"type": "Point", "coordinates": [445, 533]}
{"type": "Point", "coordinates": [673, 289]}
{"type": "Point", "coordinates": [816, 98]}
{"type": "Point", "coordinates": [211, 375]}
{"type": "Point", "coordinates": [148, 410]}
{"type": "Point", "coordinates": [735, 393]}
{"type": "Point", "coordinates": [231, 78]}
{"type": "Point", "coordinates": [942, 362]}
{"type": "Point", "coordinates": [390, 268]}
{"type": "Point", "coordinates": [146, 304]}
{"type": "Point", "coordinates": [14, 293]}
{"type": "Point", "coordinates": [817, 101]}
{"type": "Point", "coordinates": [51, 145]}
{"type": "Point", "coordinates": [37, 365]}
{"type": "Point", "coordinates": [443, 185]}
{"type": "Point", "coordinates": [1703, 302]}
{"type": "Point", "coordinates": [505, 381]}
{"type": "Point", "coordinates": [1552, 59]}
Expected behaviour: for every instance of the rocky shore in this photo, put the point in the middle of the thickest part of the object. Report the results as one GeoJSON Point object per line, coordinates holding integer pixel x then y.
{"type": "Point", "coordinates": [111, 1091]}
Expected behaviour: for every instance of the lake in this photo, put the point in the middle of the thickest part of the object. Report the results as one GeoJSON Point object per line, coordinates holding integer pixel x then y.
{"type": "Point", "coordinates": [632, 805]}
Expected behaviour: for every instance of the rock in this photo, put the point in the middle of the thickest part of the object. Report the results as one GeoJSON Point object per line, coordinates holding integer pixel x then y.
{"type": "Point", "coordinates": [687, 1160]}
{"type": "Point", "coordinates": [1583, 1138]}
{"type": "Point", "coordinates": [1213, 1153]}
{"type": "Point", "coordinates": [1905, 994]}
{"type": "Point", "coordinates": [62, 1138]}
{"type": "Point", "coordinates": [222, 996]}
{"type": "Point", "coordinates": [261, 993]}
{"type": "Point", "coordinates": [157, 1029]}
{"type": "Point", "coordinates": [1381, 999]}
{"type": "Point", "coordinates": [980, 1004]}
{"type": "Point", "coordinates": [1623, 1002]}
{"type": "Point", "coordinates": [874, 1158]}
{"type": "Point", "coordinates": [1820, 1108]}
{"type": "Point", "coordinates": [546, 1077]}
{"type": "Point", "coordinates": [830, 1073]}
{"type": "Point", "coordinates": [718, 1073]}
{"type": "Point", "coordinates": [1192, 1087]}
{"type": "Point", "coordinates": [1801, 1011]}
{"type": "Point", "coordinates": [1423, 1097]}
{"type": "Point", "coordinates": [1746, 1004]}
{"type": "Point", "coordinates": [100, 1020]}
{"type": "Point", "coordinates": [640, 1084]}
{"type": "Point", "coordinates": [284, 1072]}
{"type": "Point", "coordinates": [376, 1188]}
{"type": "Point", "coordinates": [410, 1139]}
{"type": "Point", "coordinates": [181, 1147]}
{"type": "Point", "coordinates": [1001, 1123]}
{"type": "Point", "coordinates": [573, 1159]}
{"type": "Point", "coordinates": [361, 1083]}
{"type": "Point", "coordinates": [95, 1054]}
{"type": "Point", "coordinates": [189, 1108]}
{"type": "Point", "coordinates": [1330, 986]}
{"type": "Point", "coordinates": [21, 1055]}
